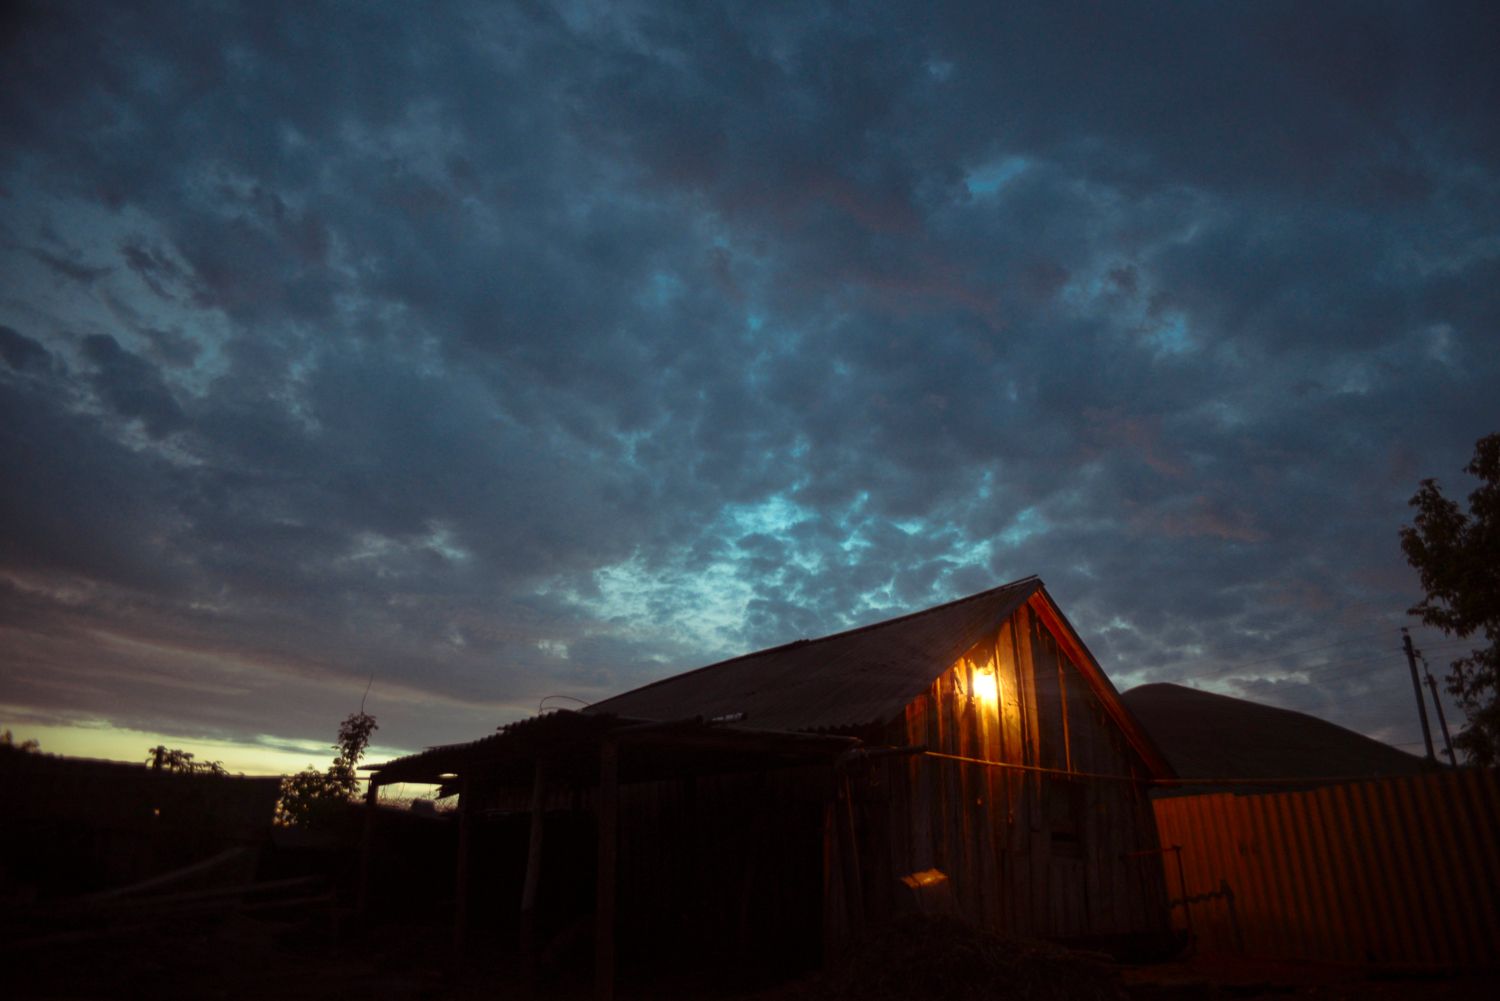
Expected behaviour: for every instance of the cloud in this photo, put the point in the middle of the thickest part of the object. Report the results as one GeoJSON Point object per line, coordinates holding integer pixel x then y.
{"type": "Point", "coordinates": [338, 339]}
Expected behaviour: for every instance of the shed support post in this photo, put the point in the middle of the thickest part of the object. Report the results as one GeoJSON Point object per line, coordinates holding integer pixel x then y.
{"type": "Point", "coordinates": [843, 818]}
{"type": "Point", "coordinates": [461, 887]}
{"type": "Point", "coordinates": [604, 911]}
{"type": "Point", "coordinates": [533, 863]}
{"type": "Point", "coordinates": [366, 846]}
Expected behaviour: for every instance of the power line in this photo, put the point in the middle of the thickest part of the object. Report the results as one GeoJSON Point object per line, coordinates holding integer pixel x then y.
{"type": "Point", "coordinates": [1294, 653]}
{"type": "Point", "coordinates": [1353, 661]}
{"type": "Point", "coordinates": [1385, 661]}
{"type": "Point", "coordinates": [1362, 658]}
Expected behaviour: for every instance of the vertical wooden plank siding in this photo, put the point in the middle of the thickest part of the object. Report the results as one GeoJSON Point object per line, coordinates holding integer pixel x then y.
{"type": "Point", "coordinates": [991, 831]}
{"type": "Point", "coordinates": [1396, 871]}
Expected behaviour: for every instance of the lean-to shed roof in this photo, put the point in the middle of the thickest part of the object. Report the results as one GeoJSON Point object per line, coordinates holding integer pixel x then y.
{"type": "Point", "coordinates": [570, 742]}
{"type": "Point", "coordinates": [851, 679]}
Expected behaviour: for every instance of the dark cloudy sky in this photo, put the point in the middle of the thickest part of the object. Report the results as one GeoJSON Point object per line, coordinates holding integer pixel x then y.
{"type": "Point", "coordinates": [517, 349]}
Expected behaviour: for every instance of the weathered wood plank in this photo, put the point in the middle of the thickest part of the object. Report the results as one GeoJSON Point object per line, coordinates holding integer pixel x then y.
{"type": "Point", "coordinates": [953, 798]}
{"type": "Point", "coordinates": [937, 800]}
{"type": "Point", "coordinates": [987, 721]}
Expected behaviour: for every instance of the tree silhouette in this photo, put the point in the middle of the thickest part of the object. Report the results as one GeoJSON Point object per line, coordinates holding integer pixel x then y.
{"type": "Point", "coordinates": [8, 745]}
{"type": "Point", "coordinates": [1458, 558]}
{"type": "Point", "coordinates": [310, 796]}
{"type": "Point", "coordinates": [165, 759]}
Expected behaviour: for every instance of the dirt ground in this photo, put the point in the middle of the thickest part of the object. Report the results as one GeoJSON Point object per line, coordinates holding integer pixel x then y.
{"type": "Point", "coordinates": [1242, 977]}
{"type": "Point", "coordinates": [239, 957]}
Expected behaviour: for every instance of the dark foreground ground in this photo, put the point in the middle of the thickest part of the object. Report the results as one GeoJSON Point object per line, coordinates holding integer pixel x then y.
{"type": "Point", "coordinates": [239, 957]}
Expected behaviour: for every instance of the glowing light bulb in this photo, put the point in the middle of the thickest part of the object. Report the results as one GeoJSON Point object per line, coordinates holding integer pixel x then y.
{"type": "Point", "coordinates": [987, 685]}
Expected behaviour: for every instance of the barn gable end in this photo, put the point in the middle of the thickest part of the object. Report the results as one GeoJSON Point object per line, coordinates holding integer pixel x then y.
{"type": "Point", "coordinates": [1044, 849]}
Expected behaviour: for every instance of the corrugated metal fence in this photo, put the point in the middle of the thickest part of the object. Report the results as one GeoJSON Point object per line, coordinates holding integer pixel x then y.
{"type": "Point", "coordinates": [1396, 871]}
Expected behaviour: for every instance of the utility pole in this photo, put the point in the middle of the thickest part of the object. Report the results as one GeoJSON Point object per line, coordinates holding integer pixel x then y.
{"type": "Point", "coordinates": [1416, 686]}
{"type": "Point", "coordinates": [1438, 704]}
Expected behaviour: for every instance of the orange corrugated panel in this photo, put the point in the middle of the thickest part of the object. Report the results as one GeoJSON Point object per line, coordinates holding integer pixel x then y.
{"type": "Point", "coordinates": [1382, 872]}
{"type": "Point", "coordinates": [1391, 815]}
{"type": "Point", "coordinates": [1223, 864]}
{"type": "Point", "coordinates": [1400, 816]}
{"type": "Point", "coordinates": [1394, 871]}
{"type": "Point", "coordinates": [1487, 788]}
{"type": "Point", "coordinates": [1345, 926]}
{"type": "Point", "coordinates": [1175, 817]}
{"type": "Point", "coordinates": [1457, 849]}
{"type": "Point", "coordinates": [1475, 816]}
{"type": "Point", "coordinates": [1298, 926]}
{"type": "Point", "coordinates": [1215, 866]}
{"type": "Point", "coordinates": [1448, 891]}
{"type": "Point", "coordinates": [1362, 902]}
{"type": "Point", "coordinates": [1466, 838]}
{"type": "Point", "coordinates": [1439, 853]}
{"type": "Point", "coordinates": [1167, 827]}
{"type": "Point", "coordinates": [1260, 872]}
{"type": "Point", "coordinates": [1311, 851]}
{"type": "Point", "coordinates": [1486, 791]}
{"type": "Point", "coordinates": [1258, 910]}
{"type": "Point", "coordinates": [1276, 912]}
{"type": "Point", "coordinates": [1398, 873]}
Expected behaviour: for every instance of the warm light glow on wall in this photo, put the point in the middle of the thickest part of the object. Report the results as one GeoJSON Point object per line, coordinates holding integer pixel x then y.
{"type": "Point", "coordinates": [987, 685]}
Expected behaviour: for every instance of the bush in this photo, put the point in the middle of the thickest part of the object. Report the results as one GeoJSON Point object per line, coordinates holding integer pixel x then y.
{"type": "Point", "coordinates": [310, 797]}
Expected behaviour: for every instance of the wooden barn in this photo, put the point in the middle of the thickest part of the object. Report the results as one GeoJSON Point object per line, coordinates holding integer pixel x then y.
{"type": "Point", "coordinates": [762, 810]}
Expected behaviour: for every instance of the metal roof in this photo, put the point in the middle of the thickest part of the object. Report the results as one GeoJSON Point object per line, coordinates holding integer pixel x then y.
{"type": "Point", "coordinates": [848, 681]}
{"type": "Point", "coordinates": [1210, 736]}
{"type": "Point", "coordinates": [570, 742]}
{"type": "Point", "coordinates": [852, 679]}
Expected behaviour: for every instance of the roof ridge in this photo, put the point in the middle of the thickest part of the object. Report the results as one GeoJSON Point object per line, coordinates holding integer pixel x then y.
{"type": "Point", "coordinates": [831, 636]}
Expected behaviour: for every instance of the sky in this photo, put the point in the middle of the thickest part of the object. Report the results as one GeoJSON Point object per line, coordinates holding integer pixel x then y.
{"type": "Point", "coordinates": [468, 354]}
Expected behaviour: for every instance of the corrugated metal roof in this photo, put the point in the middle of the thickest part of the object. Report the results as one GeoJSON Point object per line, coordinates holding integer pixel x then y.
{"type": "Point", "coordinates": [1207, 735]}
{"type": "Point", "coordinates": [851, 679]}
{"type": "Point", "coordinates": [570, 742]}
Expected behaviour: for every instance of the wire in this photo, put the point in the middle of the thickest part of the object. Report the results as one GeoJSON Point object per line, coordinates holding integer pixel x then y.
{"type": "Point", "coordinates": [1294, 653]}
{"type": "Point", "coordinates": [1159, 781]}
{"type": "Point", "coordinates": [1363, 658]}
{"type": "Point", "coordinates": [1385, 664]}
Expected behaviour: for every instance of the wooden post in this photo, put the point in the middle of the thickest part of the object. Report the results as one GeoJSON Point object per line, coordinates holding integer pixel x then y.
{"type": "Point", "coordinates": [1062, 694]}
{"type": "Point", "coordinates": [849, 853]}
{"type": "Point", "coordinates": [461, 888]}
{"type": "Point", "coordinates": [1416, 685]}
{"type": "Point", "coordinates": [604, 908]}
{"type": "Point", "coordinates": [1442, 720]}
{"type": "Point", "coordinates": [533, 862]}
{"type": "Point", "coordinates": [366, 846]}
{"type": "Point", "coordinates": [833, 901]}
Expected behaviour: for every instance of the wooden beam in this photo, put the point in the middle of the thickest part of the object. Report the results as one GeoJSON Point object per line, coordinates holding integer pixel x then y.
{"type": "Point", "coordinates": [604, 908]}
{"type": "Point", "coordinates": [461, 888]}
{"type": "Point", "coordinates": [534, 862]}
{"type": "Point", "coordinates": [367, 845]}
{"type": "Point", "coordinates": [1062, 694]}
{"type": "Point", "coordinates": [843, 816]}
